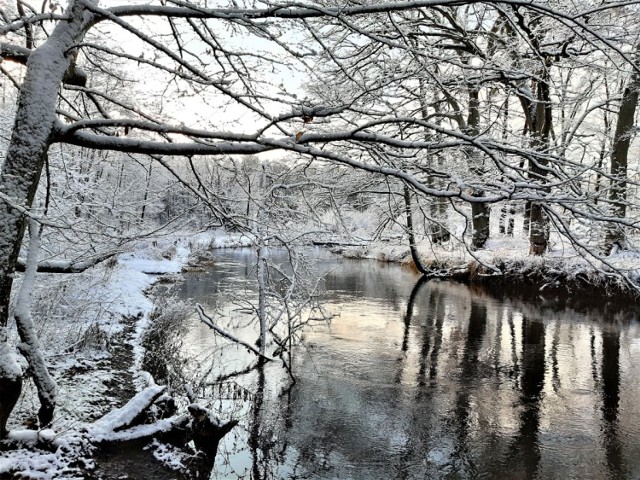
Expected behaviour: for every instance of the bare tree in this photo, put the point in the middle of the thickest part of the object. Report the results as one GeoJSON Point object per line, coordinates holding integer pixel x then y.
{"type": "Point", "coordinates": [371, 119]}
{"type": "Point", "coordinates": [615, 236]}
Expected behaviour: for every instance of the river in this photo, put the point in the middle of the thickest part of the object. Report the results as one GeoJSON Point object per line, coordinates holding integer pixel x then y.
{"type": "Point", "coordinates": [420, 379]}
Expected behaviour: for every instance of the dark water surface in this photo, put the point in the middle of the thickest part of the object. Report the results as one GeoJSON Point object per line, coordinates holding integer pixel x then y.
{"type": "Point", "coordinates": [419, 379]}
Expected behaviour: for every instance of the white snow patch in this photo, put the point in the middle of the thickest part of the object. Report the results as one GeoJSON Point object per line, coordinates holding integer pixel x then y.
{"type": "Point", "coordinates": [169, 455]}
{"type": "Point", "coordinates": [148, 265]}
{"type": "Point", "coordinates": [8, 363]}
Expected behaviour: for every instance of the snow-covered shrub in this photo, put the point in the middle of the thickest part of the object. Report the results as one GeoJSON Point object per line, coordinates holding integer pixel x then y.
{"type": "Point", "coordinates": [163, 339]}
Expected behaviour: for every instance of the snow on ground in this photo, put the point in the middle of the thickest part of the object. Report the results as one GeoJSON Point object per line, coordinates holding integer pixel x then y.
{"type": "Point", "coordinates": [563, 256]}
{"type": "Point", "coordinates": [78, 316]}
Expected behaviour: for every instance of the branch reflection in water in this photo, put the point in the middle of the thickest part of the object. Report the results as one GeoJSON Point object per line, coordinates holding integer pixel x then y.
{"type": "Point", "coordinates": [430, 379]}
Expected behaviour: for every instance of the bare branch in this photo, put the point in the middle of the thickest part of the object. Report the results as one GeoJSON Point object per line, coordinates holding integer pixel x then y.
{"type": "Point", "coordinates": [208, 321]}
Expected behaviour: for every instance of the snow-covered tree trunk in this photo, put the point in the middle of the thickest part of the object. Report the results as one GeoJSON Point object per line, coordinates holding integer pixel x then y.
{"type": "Point", "coordinates": [615, 235]}
{"type": "Point", "coordinates": [30, 346]}
{"type": "Point", "coordinates": [479, 211]}
{"type": "Point", "coordinates": [30, 140]}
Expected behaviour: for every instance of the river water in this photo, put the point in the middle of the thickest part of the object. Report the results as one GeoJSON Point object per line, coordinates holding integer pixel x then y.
{"type": "Point", "coordinates": [416, 379]}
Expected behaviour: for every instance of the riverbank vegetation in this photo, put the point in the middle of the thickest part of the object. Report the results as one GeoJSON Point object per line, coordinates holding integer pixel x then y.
{"type": "Point", "coordinates": [492, 142]}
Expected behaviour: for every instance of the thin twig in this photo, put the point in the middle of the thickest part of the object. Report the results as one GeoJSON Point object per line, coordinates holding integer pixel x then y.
{"type": "Point", "coordinates": [208, 321]}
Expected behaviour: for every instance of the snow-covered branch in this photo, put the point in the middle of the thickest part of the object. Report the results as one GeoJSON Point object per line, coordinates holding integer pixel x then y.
{"type": "Point", "coordinates": [132, 145]}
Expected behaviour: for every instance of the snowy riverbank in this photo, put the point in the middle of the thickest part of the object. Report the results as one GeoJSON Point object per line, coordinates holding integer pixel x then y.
{"type": "Point", "coordinates": [92, 326]}
{"type": "Point", "coordinates": [505, 262]}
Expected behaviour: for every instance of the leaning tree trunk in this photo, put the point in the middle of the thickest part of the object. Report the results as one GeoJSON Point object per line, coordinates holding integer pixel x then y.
{"type": "Point", "coordinates": [413, 247]}
{"type": "Point", "coordinates": [30, 346]}
{"type": "Point", "coordinates": [615, 235]}
{"type": "Point", "coordinates": [30, 140]}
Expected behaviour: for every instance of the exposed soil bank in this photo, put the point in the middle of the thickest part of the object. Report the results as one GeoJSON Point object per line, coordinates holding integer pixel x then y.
{"type": "Point", "coordinates": [129, 460]}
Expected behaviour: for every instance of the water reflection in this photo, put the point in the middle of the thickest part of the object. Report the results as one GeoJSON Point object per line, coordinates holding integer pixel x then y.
{"type": "Point", "coordinates": [428, 379]}
{"type": "Point", "coordinates": [469, 376]}
{"type": "Point", "coordinates": [525, 452]}
{"type": "Point", "coordinates": [610, 402]}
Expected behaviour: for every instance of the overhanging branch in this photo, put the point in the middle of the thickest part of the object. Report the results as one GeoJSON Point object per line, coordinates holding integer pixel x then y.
{"type": "Point", "coordinates": [132, 145]}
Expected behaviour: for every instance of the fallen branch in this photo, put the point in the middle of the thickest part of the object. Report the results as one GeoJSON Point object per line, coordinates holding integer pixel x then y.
{"type": "Point", "coordinates": [121, 430]}
{"type": "Point", "coordinates": [65, 266]}
{"type": "Point", "coordinates": [148, 431]}
{"type": "Point", "coordinates": [126, 416]}
{"type": "Point", "coordinates": [208, 321]}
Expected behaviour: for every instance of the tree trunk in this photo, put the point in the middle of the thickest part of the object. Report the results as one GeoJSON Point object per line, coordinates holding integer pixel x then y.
{"type": "Point", "coordinates": [480, 221]}
{"type": "Point", "coordinates": [30, 140]}
{"type": "Point", "coordinates": [615, 235]}
{"type": "Point", "coordinates": [30, 346]}
{"type": "Point", "coordinates": [539, 234]}
{"type": "Point", "coordinates": [479, 211]}
{"type": "Point", "coordinates": [415, 256]}
{"type": "Point", "coordinates": [541, 130]}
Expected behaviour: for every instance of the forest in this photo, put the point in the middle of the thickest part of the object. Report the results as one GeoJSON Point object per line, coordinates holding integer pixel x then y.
{"type": "Point", "coordinates": [488, 141]}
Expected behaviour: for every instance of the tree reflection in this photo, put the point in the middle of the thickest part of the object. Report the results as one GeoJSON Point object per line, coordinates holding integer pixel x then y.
{"type": "Point", "coordinates": [524, 458]}
{"type": "Point", "coordinates": [610, 402]}
{"type": "Point", "coordinates": [435, 311]}
{"type": "Point", "coordinates": [469, 378]}
{"type": "Point", "coordinates": [408, 317]}
{"type": "Point", "coordinates": [437, 337]}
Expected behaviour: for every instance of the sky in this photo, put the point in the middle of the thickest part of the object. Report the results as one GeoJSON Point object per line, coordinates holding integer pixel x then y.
{"type": "Point", "coordinates": [180, 105]}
